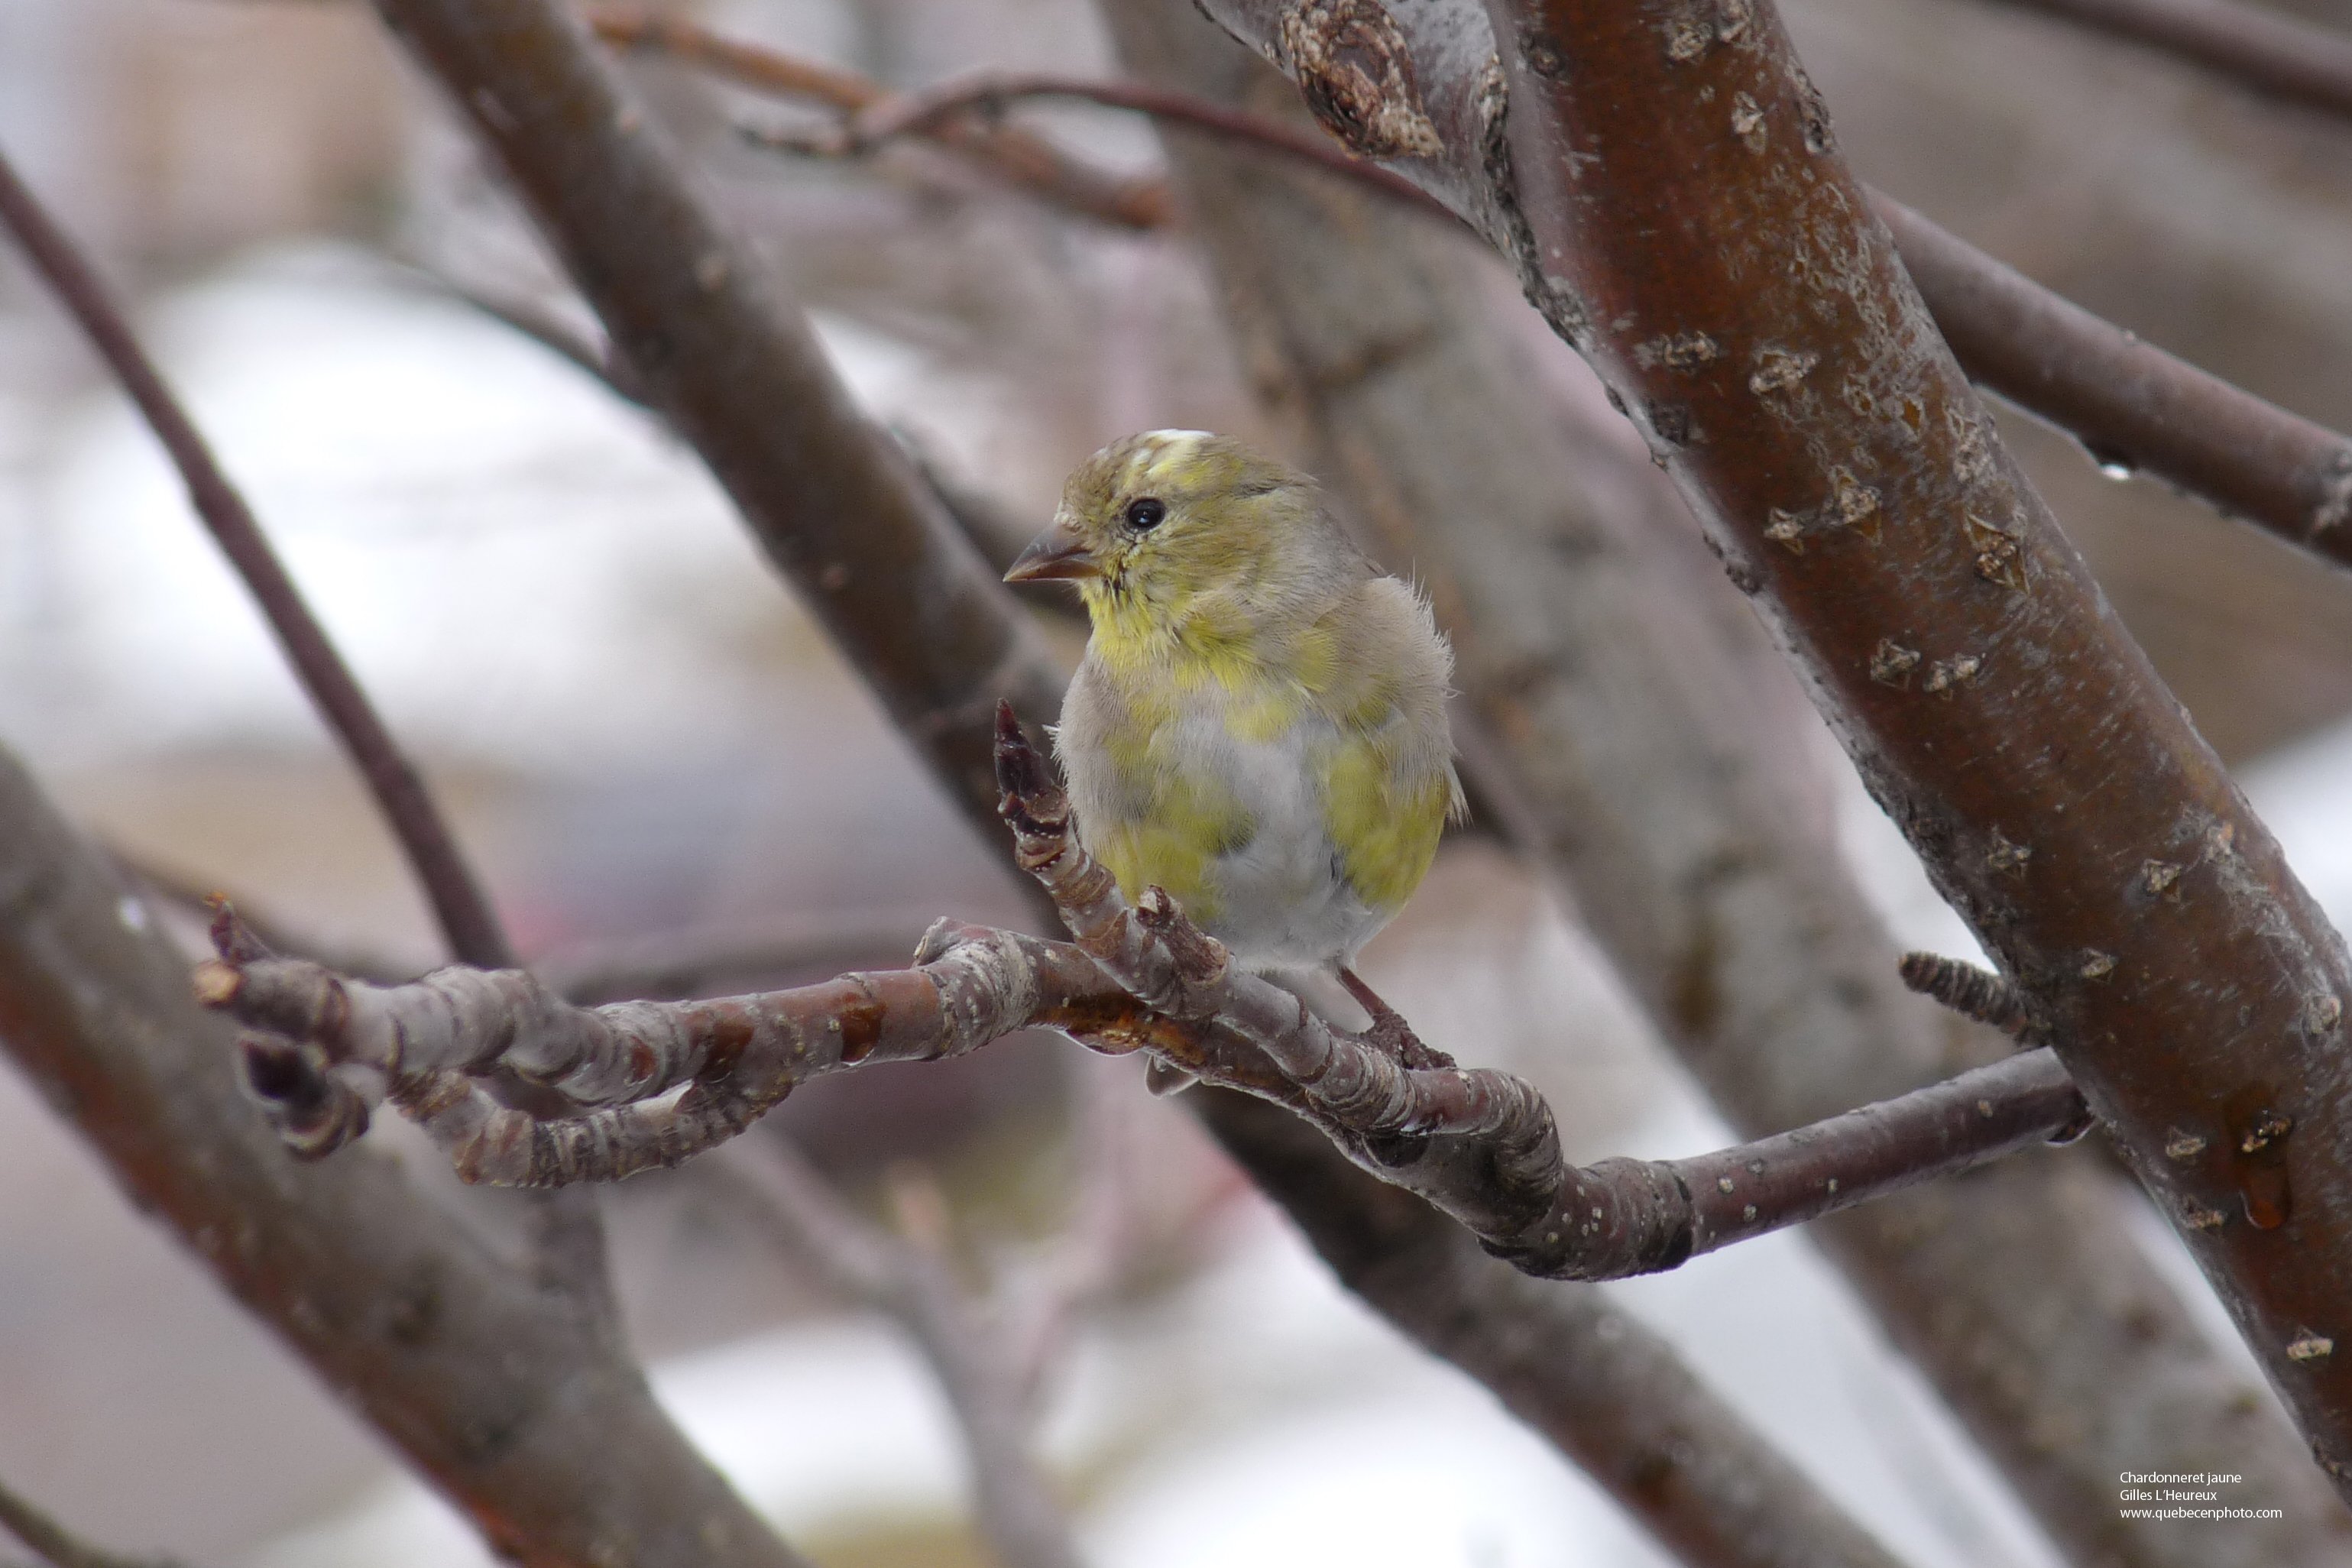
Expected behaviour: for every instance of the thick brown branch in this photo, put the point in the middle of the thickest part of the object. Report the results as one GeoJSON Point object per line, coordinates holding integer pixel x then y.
{"type": "Point", "coordinates": [1786, 373]}
{"type": "Point", "coordinates": [2275, 55]}
{"type": "Point", "coordinates": [465, 917]}
{"type": "Point", "coordinates": [509, 1399]}
{"type": "Point", "coordinates": [1660, 770]}
{"type": "Point", "coordinates": [2128, 403]}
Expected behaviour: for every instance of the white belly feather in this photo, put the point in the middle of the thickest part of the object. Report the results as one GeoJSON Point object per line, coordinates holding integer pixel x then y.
{"type": "Point", "coordinates": [1282, 899]}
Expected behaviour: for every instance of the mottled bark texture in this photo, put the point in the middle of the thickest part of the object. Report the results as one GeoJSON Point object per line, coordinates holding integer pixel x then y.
{"type": "Point", "coordinates": [1608, 1391]}
{"type": "Point", "coordinates": [874, 556]}
{"type": "Point", "coordinates": [1661, 797]}
{"type": "Point", "coordinates": [510, 1397]}
{"type": "Point", "coordinates": [710, 332]}
{"type": "Point", "coordinates": [1694, 230]}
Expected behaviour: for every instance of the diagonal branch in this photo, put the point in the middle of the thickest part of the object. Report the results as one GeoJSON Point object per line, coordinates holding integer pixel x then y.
{"type": "Point", "coordinates": [53, 1544]}
{"type": "Point", "coordinates": [1028, 161]}
{"type": "Point", "coordinates": [2129, 403]}
{"type": "Point", "coordinates": [1654, 759]}
{"type": "Point", "coordinates": [569, 1232]}
{"type": "Point", "coordinates": [464, 914]}
{"type": "Point", "coordinates": [2125, 401]}
{"type": "Point", "coordinates": [2278, 55]}
{"type": "Point", "coordinates": [935, 110]}
{"type": "Point", "coordinates": [512, 1401]}
{"type": "Point", "coordinates": [1565, 1359]}
{"type": "Point", "coordinates": [1681, 214]}
{"type": "Point", "coordinates": [1479, 1144]}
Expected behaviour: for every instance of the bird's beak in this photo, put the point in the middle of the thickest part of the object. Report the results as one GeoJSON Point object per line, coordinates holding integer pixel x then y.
{"type": "Point", "coordinates": [1056, 554]}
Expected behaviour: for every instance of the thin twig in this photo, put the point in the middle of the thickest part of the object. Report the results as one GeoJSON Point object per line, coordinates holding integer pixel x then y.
{"type": "Point", "coordinates": [911, 1284]}
{"type": "Point", "coordinates": [1029, 161]}
{"type": "Point", "coordinates": [928, 112]}
{"type": "Point", "coordinates": [2125, 401]}
{"type": "Point", "coordinates": [53, 1544]}
{"type": "Point", "coordinates": [2277, 55]}
{"type": "Point", "coordinates": [550, 331]}
{"type": "Point", "coordinates": [465, 915]}
{"type": "Point", "coordinates": [1973, 992]}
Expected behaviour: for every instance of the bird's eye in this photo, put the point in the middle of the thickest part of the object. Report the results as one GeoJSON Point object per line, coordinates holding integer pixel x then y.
{"type": "Point", "coordinates": [1147, 514]}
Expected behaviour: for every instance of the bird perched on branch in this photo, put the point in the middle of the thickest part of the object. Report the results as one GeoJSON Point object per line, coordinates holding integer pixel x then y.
{"type": "Point", "coordinates": [1259, 723]}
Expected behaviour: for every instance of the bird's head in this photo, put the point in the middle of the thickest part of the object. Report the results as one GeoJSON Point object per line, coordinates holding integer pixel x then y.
{"type": "Point", "coordinates": [1178, 528]}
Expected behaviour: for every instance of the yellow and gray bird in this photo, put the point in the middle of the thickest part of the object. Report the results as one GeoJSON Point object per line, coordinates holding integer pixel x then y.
{"type": "Point", "coordinates": [1259, 723]}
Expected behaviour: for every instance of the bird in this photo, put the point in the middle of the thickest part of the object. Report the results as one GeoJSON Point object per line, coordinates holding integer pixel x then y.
{"type": "Point", "coordinates": [1258, 725]}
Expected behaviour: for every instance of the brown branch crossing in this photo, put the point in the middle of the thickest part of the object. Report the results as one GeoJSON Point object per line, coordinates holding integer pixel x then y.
{"type": "Point", "coordinates": [2128, 403]}
{"type": "Point", "coordinates": [931, 111]}
{"type": "Point", "coordinates": [1029, 161]}
{"type": "Point", "coordinates": [657, 1083]}
{"type": "Point", "coordinates": [464, 912]}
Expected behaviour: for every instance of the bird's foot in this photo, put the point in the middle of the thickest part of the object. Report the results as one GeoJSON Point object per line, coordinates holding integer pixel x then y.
{"type": "Point", "coordinates": [1388, 1030]}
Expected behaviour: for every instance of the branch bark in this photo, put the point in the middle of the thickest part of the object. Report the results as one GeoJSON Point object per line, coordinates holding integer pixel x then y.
{"type": "Point", "coordinates": [714, 339]}
{"type": "Point", "coordinates": [467, 919]}
{"type": "Point", "coordinates": [2276, 56]}
{"type": "Point", "coordinates": [1661, 788]}
{"type": "Point", "coordinates": [1680, 211]}
{"type": "Point", "coordinates": [1479, 1144]}
{"type": "Point", "coordinates": [513, 1400]}
{"type": "Point", "coordinates": [2129, 403]}
{"type": "Point", "coordinates": [2125, 401]}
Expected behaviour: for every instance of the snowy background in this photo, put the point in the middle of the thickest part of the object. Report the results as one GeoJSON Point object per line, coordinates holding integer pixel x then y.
{"type": "Point", "coordinates": [619, 700]}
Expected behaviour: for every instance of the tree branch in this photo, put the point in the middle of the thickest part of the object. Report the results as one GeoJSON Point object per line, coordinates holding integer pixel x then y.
{"type": "Point", "coordinates": [1610, 1393]}
{"type": "Point", "coordinates": [53, 1544]}
{"type": "Point", "coordinates": [718, 347]}
{"type": "Point", "coordinates": [467, 919]}
{"type": "Point", "coordinates": [1648, 739]}
{"type": "Point", "coordinates": [913, 1286]}
{"type": "Point", "coordinates": [934, 111]}
{"type": "Point", "coordinates": [2126, 402]}
{"type": "Point", "coordinates": [2276, 56]}
{"type": "Point", "coordinates": [1477, 1143]}
{"type": "Point", "coordinates": [1714, 258]}
{"type": "Point", "coordinates": [570, 1227]}
{"type": "Point", "coordinates": [510, 1400]}
{"type": "Point", "coordinates": [1029, 162]}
